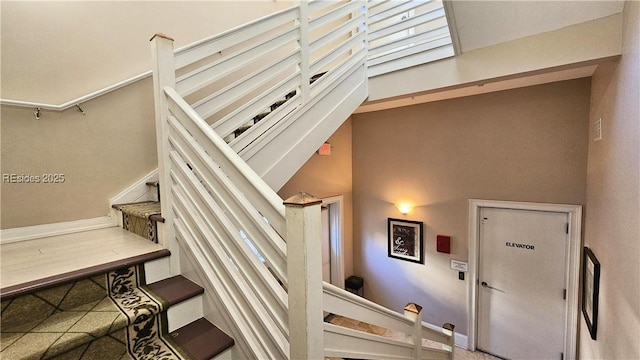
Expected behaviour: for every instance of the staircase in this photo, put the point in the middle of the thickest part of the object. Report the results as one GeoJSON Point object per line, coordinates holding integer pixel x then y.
{"type": "Point", "coordinates": [237, 115]}
{"type": "Point", "coordinates": [109, 311]}
{"type": "Point", "coordinates": [216, 189]}
{"type": "Point", "coordinates": [142, 217]}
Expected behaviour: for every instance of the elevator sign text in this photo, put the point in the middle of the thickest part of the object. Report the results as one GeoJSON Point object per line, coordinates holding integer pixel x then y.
{"type": "Point", "coordinates": [520, 246]}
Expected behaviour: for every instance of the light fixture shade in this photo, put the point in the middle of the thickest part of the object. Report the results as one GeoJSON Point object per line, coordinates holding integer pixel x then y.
{"type": "Point", "coordinates": [404, 208]}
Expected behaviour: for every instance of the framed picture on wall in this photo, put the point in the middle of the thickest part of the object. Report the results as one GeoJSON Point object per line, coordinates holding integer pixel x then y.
{"type": "Point", "coordinates": [590, 289]}
{"type": "Point", "coordinates": [405, 240]}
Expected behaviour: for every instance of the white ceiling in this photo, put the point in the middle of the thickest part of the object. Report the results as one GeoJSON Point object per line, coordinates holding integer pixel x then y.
{"type": "Point", "coordinates": [484, 23]}
{"type": "Point", "coordinates": [569, 74]}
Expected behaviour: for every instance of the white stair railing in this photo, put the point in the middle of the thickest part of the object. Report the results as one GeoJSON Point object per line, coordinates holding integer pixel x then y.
{"type": "Point", "coordinates": [408, 330]}
{"type": "Point", "coordinates": [243, 257]}
{"type": "Point", "coordinates": [224, 215]}
{"type": "Point", "coordinates": [252, 83]}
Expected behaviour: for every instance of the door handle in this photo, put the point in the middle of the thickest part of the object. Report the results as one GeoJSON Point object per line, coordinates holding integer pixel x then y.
{"type": "Point", "coordinates": [485, 285]}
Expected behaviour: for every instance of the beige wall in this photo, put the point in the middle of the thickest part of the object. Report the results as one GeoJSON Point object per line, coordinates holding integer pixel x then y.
{"type": "Point", "coordinates": [528, 144]}
{"type": "Point", "coordinates": [326, 176]}
{"type": "Point", "coordinates": [56, 51]}
{"type": "Point", "coordinates": [612, 217]}
{"type": "Point", "coordinates": [99, 153]}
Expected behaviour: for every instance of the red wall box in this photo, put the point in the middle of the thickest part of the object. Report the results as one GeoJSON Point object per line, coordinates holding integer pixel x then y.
{"type": "Point", "coordinates": [443, 244]}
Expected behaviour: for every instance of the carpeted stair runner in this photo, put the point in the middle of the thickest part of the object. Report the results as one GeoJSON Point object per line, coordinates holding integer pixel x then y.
{"type": "Point", "coordinates": [61, 321]}
{"type": "Point", "coordinates": [140, 218]}
{"type": "Point", "coordinates": [104, 317]}
{"type": "Point", "coordinates": [145, 330]}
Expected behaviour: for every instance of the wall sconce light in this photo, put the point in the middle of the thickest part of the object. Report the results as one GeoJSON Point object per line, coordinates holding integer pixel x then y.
{"type": "Point", "coordinates": [404, 208]}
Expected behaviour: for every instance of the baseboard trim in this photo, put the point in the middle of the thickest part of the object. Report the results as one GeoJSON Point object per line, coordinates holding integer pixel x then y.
{"type": "Point", "coordinates": [61, 228]}
{"type": "Point", "coordinates": [462, 341]}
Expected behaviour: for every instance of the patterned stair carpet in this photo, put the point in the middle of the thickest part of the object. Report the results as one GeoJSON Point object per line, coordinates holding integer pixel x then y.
{"type": "Point", "coordinates": [105, 317]}
{"type": "Point", "coordinates": [136, 218]}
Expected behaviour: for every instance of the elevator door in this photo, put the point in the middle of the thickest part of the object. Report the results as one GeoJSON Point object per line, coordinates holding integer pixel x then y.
{"type": "Point", "coordinates": [521, 278]}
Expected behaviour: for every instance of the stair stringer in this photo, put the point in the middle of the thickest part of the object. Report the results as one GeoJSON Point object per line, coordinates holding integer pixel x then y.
{"type": "Point", "coordinates": [283, 149]}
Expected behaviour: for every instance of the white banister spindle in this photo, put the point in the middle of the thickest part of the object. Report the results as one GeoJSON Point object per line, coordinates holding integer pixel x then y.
{"type": "Point", "coordinates": [304, 267]}
{"type": "Point", "coordinates": [414, 312]}
{"type": "Point", "coordinates": [304, 50]}
{"type": "Point", "coordinates": [452, 340]}
{"type": "Point", "coordinates": [163, 76]}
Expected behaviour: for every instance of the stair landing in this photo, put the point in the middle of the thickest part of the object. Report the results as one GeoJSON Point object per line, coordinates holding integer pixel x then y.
{"type": "Point", "coordinates": [55, 258]}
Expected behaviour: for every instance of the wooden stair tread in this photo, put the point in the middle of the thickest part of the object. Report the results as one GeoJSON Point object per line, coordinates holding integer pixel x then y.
{"type": "Point", "coordinates": [118, 206]}
{"type": "Point", "coordinates": [51, 281]}
{"type": "Point", "coordinates": [201, 340]}
{"type": "Point", "coordinates": [48, 261]}
{"type": "Point", "coordinates": [143, 209]}
{"type": "Point", "coordinates": [175, 289]}
{"type": "Point", "coordinates": [156, 218]}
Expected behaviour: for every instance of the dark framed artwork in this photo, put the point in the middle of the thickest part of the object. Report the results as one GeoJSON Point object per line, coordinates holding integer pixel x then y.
{"type": "Point", "coordinates": [590, 290]}
{"type": "Point", "coordinates": [405, 240]}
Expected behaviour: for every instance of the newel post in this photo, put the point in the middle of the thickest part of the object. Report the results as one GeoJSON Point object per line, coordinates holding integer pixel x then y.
{"type": "Point", "coordinates": [414, 313]}
{"type": "Point", "coordinates": [452, 340]}
{"type": "Point", "coordinates": [304, 268]}
{"type": "Point", "coordinates": [163, 76]}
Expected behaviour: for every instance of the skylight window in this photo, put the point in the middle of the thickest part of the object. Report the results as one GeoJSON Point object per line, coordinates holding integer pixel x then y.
{"type": "Point", "coordinates": [407, 33]}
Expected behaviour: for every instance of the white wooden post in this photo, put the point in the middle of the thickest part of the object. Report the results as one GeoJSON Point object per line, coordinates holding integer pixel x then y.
{"type": "Point", "coordinates": [414, 312]}
{"type": "Point", "coordinates": [163, 76]}
{"type": "Point", "coordinates": [304, 267]}
{"type": "Point", "coordinates": [305, 73]}
{"type": "Point", "coordinates": [452, 339]}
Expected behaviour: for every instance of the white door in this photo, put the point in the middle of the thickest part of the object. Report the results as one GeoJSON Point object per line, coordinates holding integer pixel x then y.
{"type": "Point", "coordinates": [326, 245]}
{"type": "Point", "coordinates": [521, 278]}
